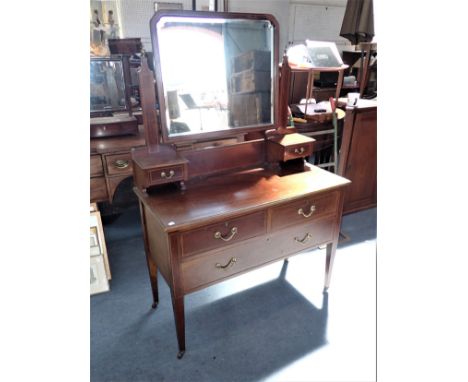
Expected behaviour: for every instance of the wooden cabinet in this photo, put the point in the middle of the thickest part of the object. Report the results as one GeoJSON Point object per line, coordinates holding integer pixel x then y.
{"type": "Point", "coordinates": [111, 163]}
{"type": "Point", "coordinates": [358, 158]}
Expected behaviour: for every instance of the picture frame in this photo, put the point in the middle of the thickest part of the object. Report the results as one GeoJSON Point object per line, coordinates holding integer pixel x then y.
{"type": "Point", "coordinates": [96, 223]}
{"type": "Point", "coordinates": [158, 5]}
{"type": "Point", "coordinates": [98, 280]}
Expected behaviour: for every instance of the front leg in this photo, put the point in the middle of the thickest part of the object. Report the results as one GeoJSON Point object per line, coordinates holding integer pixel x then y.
{"type": "Point", "coordinates": [331, 250]}
{"type": "Point", "coordinates": [152, 267]}
{"type": "Point", "coordinates": [179, 317]}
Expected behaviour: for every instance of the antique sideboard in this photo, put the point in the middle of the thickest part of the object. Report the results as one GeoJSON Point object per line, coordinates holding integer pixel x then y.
{"type": "Point", "coordinates": [214, 205]}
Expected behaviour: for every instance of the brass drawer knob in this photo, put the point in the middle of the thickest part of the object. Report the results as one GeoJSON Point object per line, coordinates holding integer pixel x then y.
{"type": "Point", "coordinates": [218, 235]}
{"type": "Point", "coordinates": [300, 211]}
{"type": "Point", "coordinates": [230, 263]}
{"type": "Point", "coordinates": [121, 163]}
{"type": "Point", "coordinates": [305, 239]}
{"type": "Point", "coordinates": [299, 151]}
{"type": "Point", "coordinates": [164, 175]}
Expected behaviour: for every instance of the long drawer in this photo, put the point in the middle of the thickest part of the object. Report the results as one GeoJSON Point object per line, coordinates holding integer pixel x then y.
{"type": "Point", "coordinates": [218, 265]}
{"type": "Point", "coordinates": [304, 210]}
{"type": "Point", "coordinates": [224, 233]}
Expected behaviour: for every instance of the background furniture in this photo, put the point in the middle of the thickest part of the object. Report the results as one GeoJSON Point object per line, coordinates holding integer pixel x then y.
{"type": "Point", "coordinates": [358, 156]}
{"type": "Point", "coordinates": [111, 163]}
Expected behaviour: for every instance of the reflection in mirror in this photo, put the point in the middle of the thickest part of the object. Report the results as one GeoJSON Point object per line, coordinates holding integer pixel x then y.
{"type": "Point", "coordinates": [107, 85]}
{"type": "Point", "coordinates": [216, 73]}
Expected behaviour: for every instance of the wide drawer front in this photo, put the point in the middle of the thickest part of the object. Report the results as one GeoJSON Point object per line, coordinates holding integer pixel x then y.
{"type": "Point", "coordinates": [166, 174]}
{"type": "Point", "coordinates": [216, 266]}
{"type": "Point", "coordinates": [96, 168]}
{"type": "Point", "coordinates": [98, 190]}
{"type": "Point", "coordinates": [224, 233]}
{"type": "Point", "coordinates": [119, 164]}
{"type": "Point", "coordinates": [304, 210]}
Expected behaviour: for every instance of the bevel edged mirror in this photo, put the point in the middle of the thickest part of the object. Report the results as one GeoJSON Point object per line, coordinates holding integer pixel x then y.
{"type": "Point", "coordinates": [216, 73]}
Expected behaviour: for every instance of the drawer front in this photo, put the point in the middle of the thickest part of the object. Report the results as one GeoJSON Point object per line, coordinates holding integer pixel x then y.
{"type": "Point", "coordinates": [223, 234]}
{"type": "Point", "coordinates": [96, 168]}
{"type": "Point", "coordinates": [166, 174]}
{"type": "Point", "coordinates": [119, 164]}
{"type": "Point", "coordinates": [98, 189]}
{"type": "Point", "coordinates": [304, 210]}
{"type": "Point", "coordinates": [204, 270]}
{"type": "Point", "coordinates": [298, 151]}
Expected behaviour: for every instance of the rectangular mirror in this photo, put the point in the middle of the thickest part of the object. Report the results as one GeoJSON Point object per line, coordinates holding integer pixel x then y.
{"type": "Point", "coordinates": [107, 90]}
{"type": "Point", "coordinates": [215, 73]}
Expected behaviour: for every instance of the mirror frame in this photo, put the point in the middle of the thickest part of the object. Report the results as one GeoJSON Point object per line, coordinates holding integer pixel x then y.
{"type": "Point", "coordinates": [160, 86]}
{"type": "Point", "coordinates": [126, 108]}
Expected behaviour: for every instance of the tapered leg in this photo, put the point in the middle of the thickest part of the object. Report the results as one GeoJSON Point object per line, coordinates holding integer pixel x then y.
{"type": "Point", "coordinates": [179, 317]}
{"type": "Point", "coordinates": [153, 274]}
{"type": "Point", "coordinates": [331, 250]}
{"type": "Point", "coordinates": [152, 268]}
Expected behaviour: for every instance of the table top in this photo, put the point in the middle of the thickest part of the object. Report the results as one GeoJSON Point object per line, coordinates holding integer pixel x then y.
{"type": "Point", "coordinates": [234, 194]}
{"type": "Point", "coordinates": [116, 144]}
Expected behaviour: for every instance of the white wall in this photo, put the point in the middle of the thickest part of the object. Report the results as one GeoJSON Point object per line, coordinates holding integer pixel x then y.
{"type": "Point", "coordinates": [298, 19]}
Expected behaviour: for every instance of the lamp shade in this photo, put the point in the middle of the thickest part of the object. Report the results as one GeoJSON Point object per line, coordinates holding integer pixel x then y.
{"type": "Point", "coordinates": [358, 21]}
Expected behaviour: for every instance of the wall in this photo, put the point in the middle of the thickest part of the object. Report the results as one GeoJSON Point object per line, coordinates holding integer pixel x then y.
{"type": "Point", "coordinates": [298, 19]}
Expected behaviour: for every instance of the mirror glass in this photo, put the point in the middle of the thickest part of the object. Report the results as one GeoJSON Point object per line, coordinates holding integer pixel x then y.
{"type": "Point", "coordinates": [217, 74]}
{"type": "Point", "coordinates": [107, 85]}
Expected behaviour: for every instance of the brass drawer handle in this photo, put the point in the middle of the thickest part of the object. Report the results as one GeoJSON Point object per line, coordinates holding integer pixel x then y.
{"type": "Point", "coordinates": [300, 211]}
{"type": "Point", "coordinates": [218, 235]}
{"type": "Point", "coordinates": [171, 174]}
{"type": "Point", "coordinates": [120, 163]}
{"type": "Point", "coordinates": [305, 239]}
{"type": "Point", "coordinates": [230, 263]}
{"type": "Point", "coordinates": [299, 151]}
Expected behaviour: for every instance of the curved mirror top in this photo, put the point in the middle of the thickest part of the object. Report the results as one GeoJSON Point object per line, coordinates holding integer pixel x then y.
{"type": "Point", "coordinates": [215, 74]}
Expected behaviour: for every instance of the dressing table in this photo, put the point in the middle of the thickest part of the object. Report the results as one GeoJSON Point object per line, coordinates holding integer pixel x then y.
{"type": "Point", "coordinates": [213, 204]}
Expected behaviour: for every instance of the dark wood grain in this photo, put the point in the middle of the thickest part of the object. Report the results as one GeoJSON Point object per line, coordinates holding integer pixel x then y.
{"type": "Point", "coordinates": [237, 194]}
{"type": "Point", "coordinates": [358, 158]}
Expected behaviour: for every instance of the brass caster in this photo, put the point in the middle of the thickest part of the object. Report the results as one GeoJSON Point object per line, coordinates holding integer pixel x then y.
{"type": "Point", "coordinates": [180, 354]}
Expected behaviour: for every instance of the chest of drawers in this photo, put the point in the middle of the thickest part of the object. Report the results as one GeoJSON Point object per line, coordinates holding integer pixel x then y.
{"type": "Point", "coordinates": [222, 227]}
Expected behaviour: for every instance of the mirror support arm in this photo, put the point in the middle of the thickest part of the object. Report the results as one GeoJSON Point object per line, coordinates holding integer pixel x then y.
{"type": "Point", "coordinates": [148, 103]}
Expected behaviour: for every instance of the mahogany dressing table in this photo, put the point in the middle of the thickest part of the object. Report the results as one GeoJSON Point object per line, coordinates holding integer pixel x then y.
{"type": "Point", "coordinates": [213, 204]}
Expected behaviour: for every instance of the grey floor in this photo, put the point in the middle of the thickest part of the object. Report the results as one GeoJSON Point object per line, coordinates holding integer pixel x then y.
{"type": "Point", "coordinates": [272, 324]}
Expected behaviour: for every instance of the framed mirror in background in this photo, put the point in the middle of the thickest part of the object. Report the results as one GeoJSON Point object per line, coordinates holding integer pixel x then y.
{"type": "Point", "coordinates": [107, 85]}
{"type": "Point", "coordinates": [215, 73]}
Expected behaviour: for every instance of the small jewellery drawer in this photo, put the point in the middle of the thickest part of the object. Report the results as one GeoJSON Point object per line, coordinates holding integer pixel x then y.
{"type": "Point", "coordinates": [96, 168]}
{"type": "Point", "coordinates": [304, 210]}
{"type": "Point", "coordinates": [119, 164]}
{"type": "Point", "coordinates": [166, 174]}
{"type": "Point", "coordinates": [297, 151]}
{"type": "Point", "coordinates": [224, 233]}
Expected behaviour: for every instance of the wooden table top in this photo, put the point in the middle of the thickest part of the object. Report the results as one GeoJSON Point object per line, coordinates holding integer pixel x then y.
{"type": "Point", "coordinates": [116, 144]}
{"type": "Point", "coordinates": [235, 194]}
